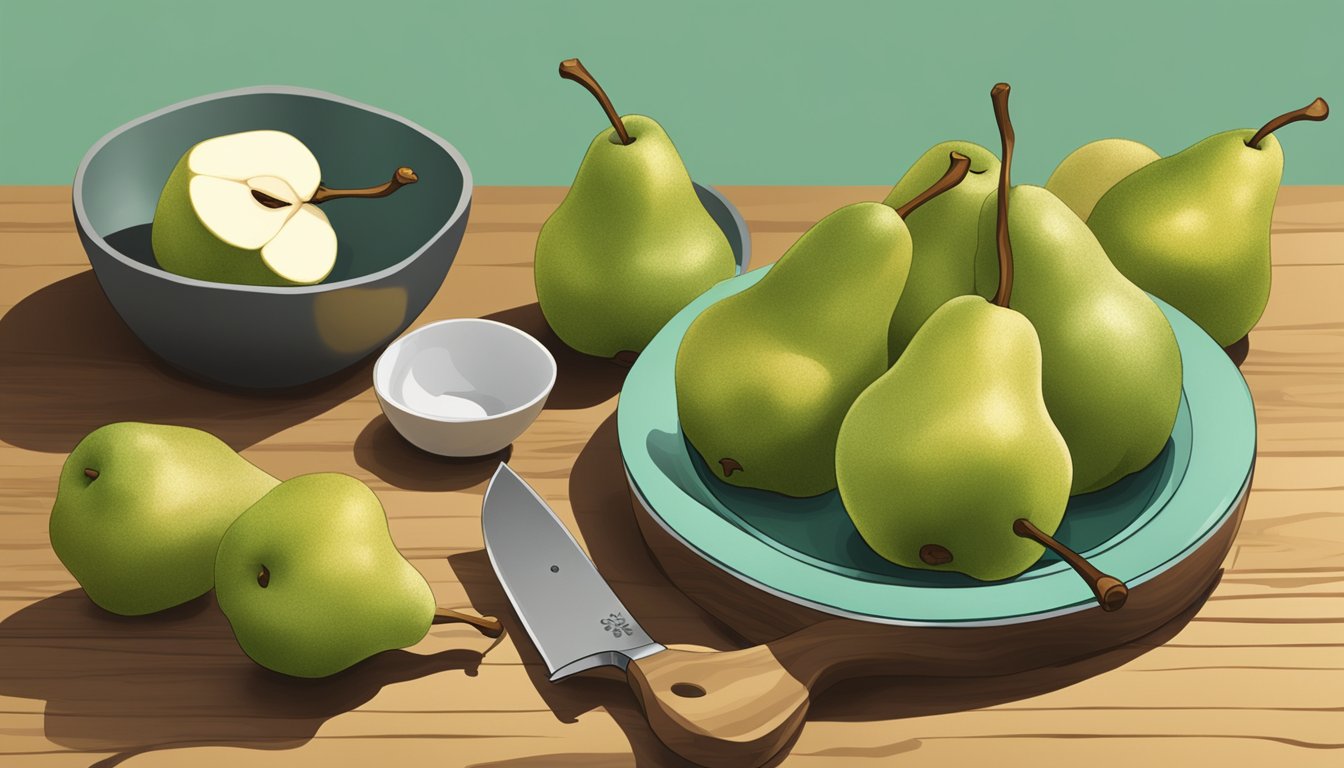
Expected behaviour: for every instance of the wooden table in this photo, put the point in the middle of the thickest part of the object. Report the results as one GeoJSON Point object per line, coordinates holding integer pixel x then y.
{"type": "Point", "coordinates": [1255, 678]}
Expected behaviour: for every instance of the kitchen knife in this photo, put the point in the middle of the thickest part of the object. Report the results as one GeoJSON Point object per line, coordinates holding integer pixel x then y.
{"type": "Point", "coordinates": [733, 708]}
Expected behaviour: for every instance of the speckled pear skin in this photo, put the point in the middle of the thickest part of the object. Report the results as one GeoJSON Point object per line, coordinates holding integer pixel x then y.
{"type": "Point", "coordinates": [141, 536]}
{"type": "Point", "coordinates": [629, 246]}
{"type": "Point", "coordinates": [1111, 367]}
{"type": "Point", "coordinates": [1091, 170]}
{"type": "Point", "coordinates": [184, 246]}
{"type": "Point", "coordinates": [943, 232]}
{"type": "Point", "coordinates": [337, 589]}
{"type": "Point", "coordinates": [764, 377]}
{"type": "Point", "coordinates": [1193, 230]}
{"type": "Point", "coordinates": [954, 443]}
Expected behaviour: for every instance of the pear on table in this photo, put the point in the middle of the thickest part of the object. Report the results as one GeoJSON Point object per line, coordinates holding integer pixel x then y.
{"type": "Point", "coordinates": [765, 376]}
{"type": "Point", "coordinates": [242, 208]}
{"type": "Point", "coordinates": [1092, 169]}
{"type": "Point", "coordinates": [1112, 368]}
{"type": "Point", "coordinates": [942, 235]}
{"type": "Point", "coordinates": [140, 509]}
{"type": "Point", "coordinates": [1194, 228]}
{"type": "Point", "coordinates": [950, 460]}
{"type": "Point", "coordinates": [631, 244]}
{"type": "Point", "coordinates": [311, 582]}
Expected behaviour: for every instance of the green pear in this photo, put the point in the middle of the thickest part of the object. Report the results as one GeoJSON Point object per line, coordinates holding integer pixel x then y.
{"type": "Point", "coordinates": [1193, 228]}
{"type": "Point", "coordinates": [765, 376]}
{"type": "Point", "coordinates": [941, 455]}
{"type": "Point", "coordinates": [242, 208]}
{"type": "Point", "coordinates": [1092, 169]}
{"type": "Point", "coordinates": [140, 509]}
{"type": "Point", "coordinates": [943, 234]}
{"type": "Point", "coordinates": [311, 582]}
{"type": "Point", "coordinates": [631, 244]}
{"type": "Point", "coordinates": [1112, 369]}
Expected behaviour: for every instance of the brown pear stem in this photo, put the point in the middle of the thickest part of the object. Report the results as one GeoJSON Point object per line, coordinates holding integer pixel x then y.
{"type": "Point", "coordinates": [1317, 110]}
{"type": "Point", "coordinates": [1111, 593]}
{"type": "Point", "coordinates": [956, 171]}
{"type": "Point", "coordinates": [92, 474]}
{"type": "Point", "coordinates": [999, 95]}
{"type": "Point", "coordinates": [401, 178]}
{"type": "Point", "coordinates": [487, 625]}
{"type": "Point", "coordinates": [573, 69]}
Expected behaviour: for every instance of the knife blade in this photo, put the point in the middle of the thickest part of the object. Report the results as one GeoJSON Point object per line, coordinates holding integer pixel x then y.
{"type": "Point", "coordinates": [574, 619]}
{"type": "Point", "coordinates": [716, 708]}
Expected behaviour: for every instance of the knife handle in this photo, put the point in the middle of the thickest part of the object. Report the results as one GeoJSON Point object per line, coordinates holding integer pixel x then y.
{"type": "Point", "coordinates": [733, 709]}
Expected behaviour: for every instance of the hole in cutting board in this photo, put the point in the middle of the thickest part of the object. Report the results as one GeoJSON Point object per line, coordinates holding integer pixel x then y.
{"type": "Point", "coordinates": [688, 690]}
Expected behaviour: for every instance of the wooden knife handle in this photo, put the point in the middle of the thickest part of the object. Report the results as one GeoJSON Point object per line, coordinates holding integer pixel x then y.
{"type": "Point", "coordinates": [733, 709]}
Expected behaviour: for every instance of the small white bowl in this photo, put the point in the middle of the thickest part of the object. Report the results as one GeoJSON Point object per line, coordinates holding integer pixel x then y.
{"type": "Point", "coordinates": [464, 387]}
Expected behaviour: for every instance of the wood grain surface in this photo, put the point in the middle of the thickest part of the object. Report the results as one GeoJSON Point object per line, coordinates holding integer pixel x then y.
{"type": "Point", "coordinates": [1255, 677]}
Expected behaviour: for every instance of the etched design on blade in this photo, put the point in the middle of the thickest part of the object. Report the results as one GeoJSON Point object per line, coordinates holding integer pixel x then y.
{"type": "Point", "coordinates": [616, 624]}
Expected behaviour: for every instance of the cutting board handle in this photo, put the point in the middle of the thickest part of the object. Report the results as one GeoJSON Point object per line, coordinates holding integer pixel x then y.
{"type": "Point", "coordinates": [735, 709]}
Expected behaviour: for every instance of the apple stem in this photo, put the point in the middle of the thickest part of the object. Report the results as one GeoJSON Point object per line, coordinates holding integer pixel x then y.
{"type": "Point", "coordinates": [486, 625]}
{"type": "Point", "coordinates": [92, 474]}
{"type": "Point", "coordinates": [956, 171]}
{"type": "Point", "coordinates": [999, 95]}
{"type": "Point", "coordinates": [573, 69]}
{"type": "Point", "coordinates": [1110, 592]}
{"type": "Point", "coordinates": [401, 178]}
{"type": "Point", "coordinates": [1317, 110]}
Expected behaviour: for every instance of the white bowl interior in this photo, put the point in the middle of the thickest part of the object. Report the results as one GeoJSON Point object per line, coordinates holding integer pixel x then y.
{"type": "Point", "coordinates": [468, 369]}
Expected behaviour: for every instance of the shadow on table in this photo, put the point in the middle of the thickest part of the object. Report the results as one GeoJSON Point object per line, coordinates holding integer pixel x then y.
{"type": "Point", "coordinates": [1239, 349]}
{"type": "Point", "coordinates": [131, 685]}
{"type": "Point", "coordinates": [383, 451]}
{"type": "Point", "coordinates": [70, 365]}
{"type": "Point", "coordinates": [602, 509]}
{"type": "Point", "coordinates": [581, 380]}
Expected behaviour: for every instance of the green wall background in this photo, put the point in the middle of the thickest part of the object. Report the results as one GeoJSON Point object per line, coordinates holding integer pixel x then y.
{"type": "Point", "coordinates": [785, 92]}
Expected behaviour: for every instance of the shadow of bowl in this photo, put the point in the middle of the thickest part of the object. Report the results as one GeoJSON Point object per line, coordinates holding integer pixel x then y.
{"type": "Point", "coordinates": [70, 366]}
{"type": "Point", "coordinates": [386, 454]}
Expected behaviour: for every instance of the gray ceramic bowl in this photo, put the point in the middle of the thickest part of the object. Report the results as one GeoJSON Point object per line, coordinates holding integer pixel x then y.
{"type": "Point", "coordinates": [734, 227]}
{"type": "Point", "coordinates": [394, 253]}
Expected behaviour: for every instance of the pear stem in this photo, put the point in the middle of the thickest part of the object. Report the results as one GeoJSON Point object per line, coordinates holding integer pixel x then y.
{"type": "Point", "coordinates": [401, 178]}
{"type": "Point", "coordinates": [92, 474]}
{"type": "Point", "coordinates": [956, 171]}
{"type": "Point", "coordinates": [1111, 593]}
{"type": "Point", "coordinates": [487, 625]}
{"type": "Point", "coordinates": [1317, 110]}
{"type": "Point", "coordinates": [573, 69]}
{"type": "Point", "coordinates": [999, 95]}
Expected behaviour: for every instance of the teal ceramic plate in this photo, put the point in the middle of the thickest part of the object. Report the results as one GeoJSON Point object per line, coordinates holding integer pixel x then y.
{"type": "Point", "coordinates": [807, 550]}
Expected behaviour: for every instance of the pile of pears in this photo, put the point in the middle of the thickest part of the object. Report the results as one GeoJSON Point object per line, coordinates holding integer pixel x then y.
{"type": "Point", "coordinates": [149, 516]}
{"type": "Point", "coordinates": [963, 357]}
